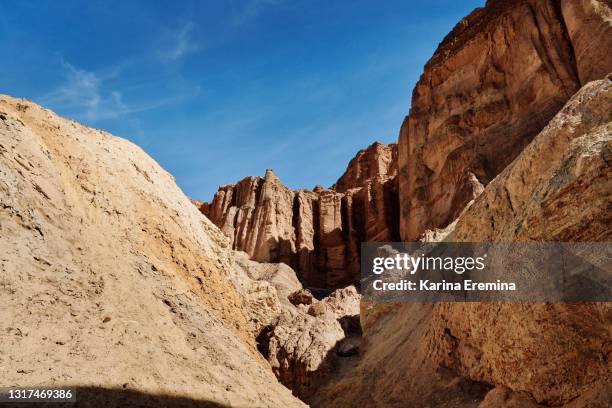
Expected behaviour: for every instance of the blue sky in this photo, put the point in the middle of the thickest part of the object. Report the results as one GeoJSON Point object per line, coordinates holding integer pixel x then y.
{"type": "Point", "coordinates": [218, 90]}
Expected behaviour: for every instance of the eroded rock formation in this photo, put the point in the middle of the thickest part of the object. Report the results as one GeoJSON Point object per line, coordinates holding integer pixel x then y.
{"type": "Point", "coordinates": [317, 232]}
{"type": "Point", "coordinates": [567, 197]}
{"type": "Point", "coordinates": [506, 354]}
{"type": "Point", "coordinates": [305, 343]}
{"type": "Point", "coordinates": [111, 279]}
{"type": "Point", "coordinates": [493, 83]}
{"type": "Point", "coordinates": [378, 160]}
{"type": "Point", "coordinates": [301, 337]}
{"type": "Point", "coordinates": [265, 288]}
{"type": "Point", "coordinates": [467, 151]}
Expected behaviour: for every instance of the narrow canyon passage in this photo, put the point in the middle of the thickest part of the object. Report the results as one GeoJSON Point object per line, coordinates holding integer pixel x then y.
{"type": "Point", "coordinates": [116, 284]}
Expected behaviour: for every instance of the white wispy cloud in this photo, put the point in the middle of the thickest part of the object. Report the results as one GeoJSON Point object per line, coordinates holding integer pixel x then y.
{"type": "Point", "coordinates": [181, 43]}
{"type": "Point", "coordinates": [82, 95]}
{"type": "Point", "coordinates": [249, 10]}
{"type": "Point", "coordinates": [91, 97]}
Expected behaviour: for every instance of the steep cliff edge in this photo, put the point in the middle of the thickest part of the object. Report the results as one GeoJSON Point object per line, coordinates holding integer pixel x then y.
{"type": "Point", "coordinates": [480, 135]}
{"type": "Point", "coordinates": [111, 279]}
{"type": "Point", "coordinates": [523, 354]}
{"type": "Point", "coordinates": [493, 83]}
{"type": "Point", "coordinates": [318, 232]}
{"type": "Point", "coordinates": [378, 160]}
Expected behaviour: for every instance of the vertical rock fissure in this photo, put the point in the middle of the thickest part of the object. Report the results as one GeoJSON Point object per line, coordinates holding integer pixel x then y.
{"type": "Point", "coordinates": [570, 52]}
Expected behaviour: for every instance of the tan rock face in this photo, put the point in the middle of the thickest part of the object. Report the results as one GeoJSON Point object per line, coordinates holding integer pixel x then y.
{"type": "Point", "coordinates": [506, 354]}
{"type": "Point", "coordinates": [264, 287]}
{"type": "Point", "coordinates": [301, 337]}
{"type": "Point", "coordinates": [589, 26]}
{"type": "Point", "coordinates": [110, 277]}
{"type": "Point", "coordinates": [377, 160]}
{"type": "Point", "coordinates": [318, 233]}
{"type": "Point", "coordinates": [278, 275]}
{"type": "Point", "coordinates": [567, 197]}
{"type": "Point", "coordinates": [494, 82]}
{"type": "Point", "coordinates": [304, 345]}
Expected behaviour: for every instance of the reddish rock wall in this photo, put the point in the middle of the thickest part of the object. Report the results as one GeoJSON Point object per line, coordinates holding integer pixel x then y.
{"type": "Point", "coordinates": [493, 83]}
{"type": "Point", "coordinates": [318, 232]}
{"type": "Point", "coordinates": [505, 354]}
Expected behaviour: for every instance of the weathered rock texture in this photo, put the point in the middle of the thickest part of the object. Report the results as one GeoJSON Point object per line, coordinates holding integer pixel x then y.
{"type": "Point", "coordinates": [318, 233]}
{"type": "Point", "coordinates": [265, 287]}
{"type": "Point", "coordinates": [110, 278]}
{"type": "Point", "coordinates": [493, 83]}
{"type": "Point", "coordinates": [566, 197]}
{"type": "Point", "coordinates": [378, 160]}
{"type": "Point", "coordinates": [506, 354]}
{"type": "Point", "coordinates": [301, 337]}
{"type": "Point", "coordinates": [303, 346]}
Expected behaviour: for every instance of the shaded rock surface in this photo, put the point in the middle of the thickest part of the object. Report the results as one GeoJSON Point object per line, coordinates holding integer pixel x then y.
{"type": "Point", "coordinates": [505, 354]}
{"type": "Point", "coordinates": [567, 197]}
{"type": "Point", "coordinates": [300, 336]}
{"type": "Point", "coordinates": [301, 297]}
{"type": "Point", "coordinates": [493, 83]}
{"type": "Point", "coordinates": [318, 233]}
{"type": "Point", "coordinates": [304, 345]}
{"type": "Point", "coordinates": [110, 278]}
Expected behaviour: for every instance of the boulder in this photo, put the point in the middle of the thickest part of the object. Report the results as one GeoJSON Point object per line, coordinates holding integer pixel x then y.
{"type": "Point", "coordinates": [304, 344]}
{"type": "Point", "coordinates": [302, 297]}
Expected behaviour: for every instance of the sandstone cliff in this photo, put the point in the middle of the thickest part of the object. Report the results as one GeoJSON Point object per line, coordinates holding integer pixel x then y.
{"type": "Point", "coordinates": [319, 232]}
{"type": "Point", "coordinates": [506, 354]}
{"type": "Point", "coordinates": [378, 160]}
{"type": "Point", "coordinates": [493, 83]}
{"type": "Point", "coordinates": [567, 197]}
{"type": "Point", "coordinates": [111, 279]}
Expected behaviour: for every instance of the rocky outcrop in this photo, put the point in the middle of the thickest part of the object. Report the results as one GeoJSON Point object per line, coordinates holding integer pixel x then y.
{"type": "Point", "coordinates": [506, 354]}
{"type": "Point", "coordinates": [265, 288]}
{"type": "Point", "coordinates": [318, 233]}
{"type": "Point", "coordinates": [304, 345]}
{"type": "Point", "coordinates": [278, 275]}
{"type": "Point", "coordinates": [493, 83]}
{"type": "Point", "coordinates": [301, 337]}
{"type": "Point", "coordinates": [567, 197]}
{"type": "Point", "coordinates": [378, 160]}
{"type": "Point", "coordinates": [111, 279]}
{"type": "Point", "coordinates": [589, 27]}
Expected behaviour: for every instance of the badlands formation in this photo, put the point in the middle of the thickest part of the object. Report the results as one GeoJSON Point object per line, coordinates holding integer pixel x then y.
{"type": "Point", "coordinates": [316, 232]}
{"type": "Point", "coordinates": [115, 283]}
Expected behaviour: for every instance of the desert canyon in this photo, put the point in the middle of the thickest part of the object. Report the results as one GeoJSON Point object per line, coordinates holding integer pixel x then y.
{"type": "Point", "coordinates": [115, 282]}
